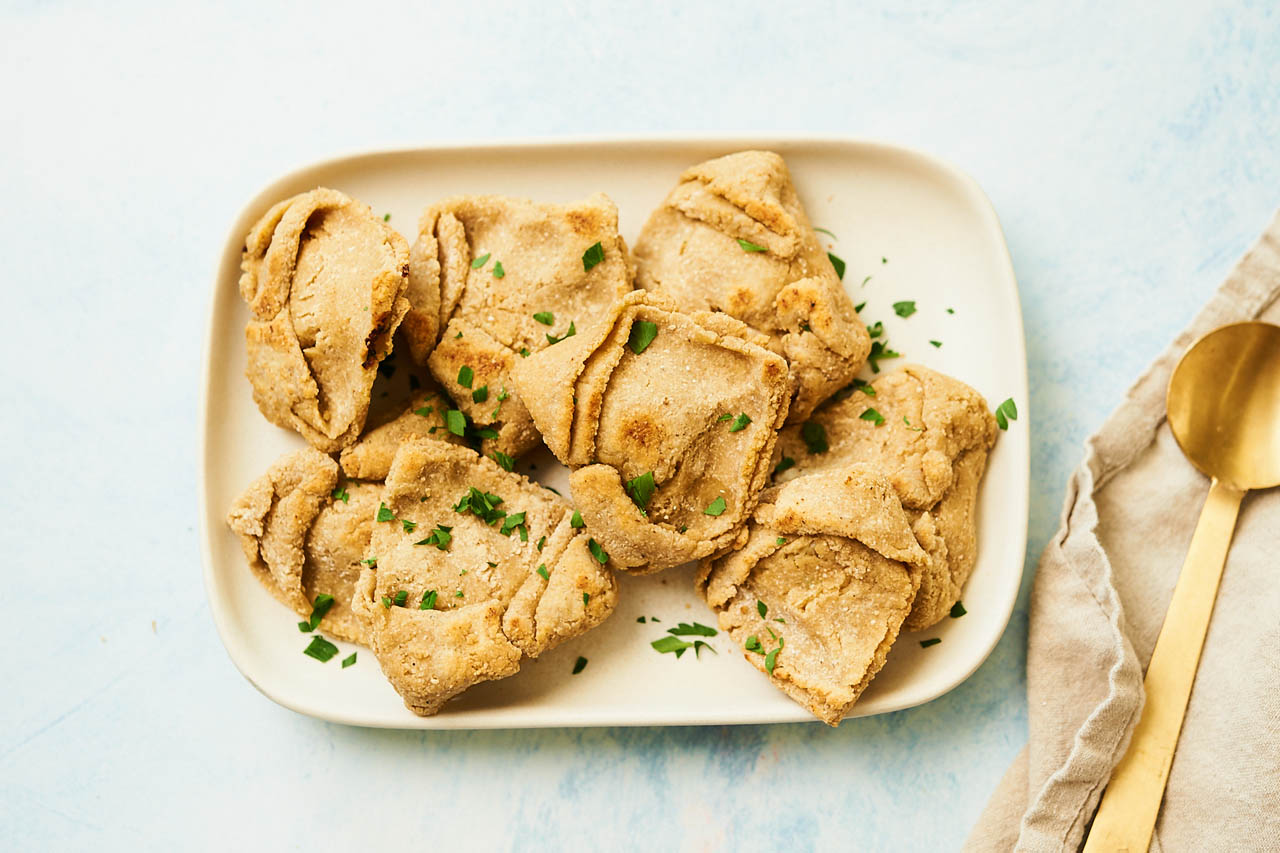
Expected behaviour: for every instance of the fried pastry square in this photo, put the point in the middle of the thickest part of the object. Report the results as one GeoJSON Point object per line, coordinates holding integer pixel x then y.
{"type": "Point", "coordinates": [474, 567]}
{"type": "Point", "coordinates": [733, 237]}
{"type": "Point", "coordinates": [820, 591]}
{"type": "Point", "coordinates": [504, 278]}
{"type": "Point", "coordinates": [325, 280]}
{"type": "Point", "coordinates": [930, 435]}
{"type": "Point", "coordinates": [303, 538]}
{"type": "Point", "coordinates": [668, 421]}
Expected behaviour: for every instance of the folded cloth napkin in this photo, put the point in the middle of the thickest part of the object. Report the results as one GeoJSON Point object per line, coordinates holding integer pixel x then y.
{"type": "Point", "coordinates": [1099, 598]}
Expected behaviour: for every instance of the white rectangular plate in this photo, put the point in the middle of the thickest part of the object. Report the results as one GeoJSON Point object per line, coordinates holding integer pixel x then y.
{"type": "Point", "coordinates": [919, 228]}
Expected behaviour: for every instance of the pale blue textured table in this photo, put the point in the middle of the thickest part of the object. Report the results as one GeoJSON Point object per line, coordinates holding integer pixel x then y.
{"type": "Point", "coordinates": [1130, 153]}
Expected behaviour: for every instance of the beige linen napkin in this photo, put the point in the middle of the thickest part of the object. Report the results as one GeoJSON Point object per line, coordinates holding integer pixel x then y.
{"type": "Point", "coordinates": [1099, 598]}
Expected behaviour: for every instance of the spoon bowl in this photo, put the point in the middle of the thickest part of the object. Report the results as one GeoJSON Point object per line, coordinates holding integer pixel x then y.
{"type": "Point", "coordinates": [1224, 405]}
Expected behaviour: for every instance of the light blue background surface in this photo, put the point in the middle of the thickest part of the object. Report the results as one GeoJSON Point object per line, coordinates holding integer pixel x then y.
{"type": "Point", "coordinates": [1131, 154]}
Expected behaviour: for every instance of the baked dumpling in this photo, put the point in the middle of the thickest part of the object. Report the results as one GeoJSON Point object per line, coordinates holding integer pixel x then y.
{"type": "Point", "coordinates": [325, 280]}
{"type": "Point", "coordinates": [511, 276]}
{"type": "Point", "coordinates": [929, 434]}
{"type": "Point", "coordinates": [733, 237]}
{"type": "Point", "coordinates": [302, 537]}
{"type": "Point", "coordinates": [473, 568]}
{"type": "Point", "coordinates": [667, 421]}
{"type": "Point", "coordinates": [820, 591]}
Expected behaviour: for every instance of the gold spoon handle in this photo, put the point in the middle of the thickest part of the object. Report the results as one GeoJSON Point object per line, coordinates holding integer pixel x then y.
{"type": "Point", "coordinates": [1127, 815]}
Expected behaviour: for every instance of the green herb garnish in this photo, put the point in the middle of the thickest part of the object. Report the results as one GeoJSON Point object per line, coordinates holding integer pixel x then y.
{"type": "Point", "coordinates": [762, 608]}
{"type": "Point", "coordinates": [879, 350]}
{"type": "Point", "coordinates": [455, 422]}
{"type": "Point", "coordinates": [440, 537]}
{"type": "Point", "coordinates": [546, 318]}
{"type": "Point", "coordinates": [350, 659]}
{"type": "Point", "coordinates": [781, 540]}
{"type": "Point", "coordinates": [1005, 412]}
{"type": "Point", "coordinates": [480, 394]}
{"type": "Point", "coordinates": [409, 526]}
{"type": "Point", "coordinates": [320, 649]}
{"type": "Point", "coordinates": [696, 629]}
{"type": "Point", "coordinates": [385, 514]}
{"type": "Point", "coordinates": [542, 570]}
{"type": "Point", "coordinates": [748, 246]}
{"type": "Point", "coordinates": [428, 600]}
{"type": "Point", "coordinates": [828, 233]}
{"type": "Point", "coordinates": [932, 641]}
{"type": "Point", "coordinates": [875, 330]}
{"type": "Point", "coordinates": [641, 489]}
{"type": "Point", "coordinates": [642, 334]}
{"type": "Point", "coordinates": [957, 610]}
{"type": "Point", "coordinates": [783, 464]}
{"type": "Point", "coordinates": [581, 663]}
{"type": "Point", "coordinates": [716, 507]}
{"type": "Point", "coordinates": [483, 505]}
{"type": "Point", "coordinates": [815, 437]}
{"type": "Point", "coordinates": [498, 271]}
{"type": "Point", "coordinates": [465, 375]}
{"type": "Point", "coordinates": [937, 344]}
{"type": "Point", "coordinates": [858, 308]}
{"type": "Point", "coordinates": [507, 463]}
{"type": "Point", "coordinates": [907, 421]}
{"type": "Point", "coordinates": [542, 542]}
{"type": "Point", "coordinates": [905, 308]}
{"type": "Point", "coordinates": [512, 522]}
{"type": "Point", "coordinates": [319, 608]}
{"type": "Point", "coordinates": [586, 598]}
{"type": "Point", "coordinates": [872, 415]}
{"type": "Point", "coordinates": [400, 598]}
{"type": "Point", "coordinates": [424, 411]}
{"type": "Point", "coordinates": [552, 339]}
{"type": "Point", "coordinates": [480, 261]}
{"type": "Point", "coordinates": [671, 645]}
{"type": "Point", "coordinates": [753, 645]}
{"type": "Point", "coordinates": [575, 520]}
{"type": "Point", "coordinates": [739, 423]}
{"type": "Point", "coordinates": [601, 555]}
{"type": "Point", "coordinates": [838, 264]}
{"type": "Point", "coordinates": [592, 256]}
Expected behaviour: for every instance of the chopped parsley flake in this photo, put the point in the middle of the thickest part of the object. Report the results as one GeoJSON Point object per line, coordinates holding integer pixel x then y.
{"type": "Point", "coordinates": [642, 334]}
{"type": "Point", "coordinates": [879, 350]}
{"type": "Point", "coordinates": [671, 645]}
{"type": "Point", "coordinates": [320, 649]}
{"type": "Point", "coordinates": [498, 271]}
{"type": "Point", "coordinates": [573, 330]}
{"type": "Point", "coordinates": [838, 264]}
{"type": "Point", "coordinates": [781, 540]}
{"type": "Point", "coordinates": [319, 608]}
{"type": "Point", "coordinates": [905, 308]}
{"type": "Point", "coordinates": [957, 610]}
{"type": "Point", "coordinates": [400, 598]}
{"type": "Point", "coordinates": [1005, 412]}
{"type": "Point", "coordinates": [771, 660]}
{"type": "Point", "coordinates": [458, 594]}
{"type": "Point", "coordinates": [408, 525]}
{"type": "Point", "coordinates": [371, 562]}
{"type": "Point", "coordinates": [581, 663]}
{"type": "Point", "coordinates": [350, 659]}
{"type": "Point", "coordinates": [480, 261]}
{"type": "Point", "coordinates": [640, 619]}
{"type": "Point", "coordinates": [455, 422]}
{"type": "Point", "coordinates": [601, 555]}
{"type": "Point", "coordinates": [592, 256]}
{"type": "Point", "coordinates": [513, 521]}
{"type": "Point", "coordinates": [542, 570]}
{"type": "Point", "coordinates": [858, 308]}
{"type": "Point", "coordinates": [748, 246]}
{"type": "Point", "coordinates": [424, 411]}
{"type": "Point", "coordinates": [951, 310]}
{"type": "Point", "coordinates": [936, 343]}
{"type": "Point", "coordinates": [546, 318]}
{"type": "Point", "coordinates": [783, 464]}
{"type": "Point", "coordinates": [697, 629]}
{"type": "Point", "coordinates": [872, 415]}
{"type": "Point", "coordinates": [932, 641]}
{"type": "Point", "coordinates": [586, 598]}
{"type": "Point", "coordinates": [480, 394]}
{"type": "Point", "coordinates": [506, 462]}
{"type": "Point", "coordinates": [542, 542]}
{"type": "Point", "coordinates": [725, 417]}
{"type": "Point", "coordinates": [716, 507]}
{"type": "Point", "coordinates": [641, 489]}
{"type": "Point", "coordinates": [739, 423]}
{"type": "Point", "coordinates": [481, 504]}
{"type": "Point", "coordinates": [875, 330]}
{"type": "Point", "coordinates": [762, 608]}
{"type": "Point", "coordinates": [440, 537]}
{"type": "Point", "coordinates": [576, 520]}
{"type": "Point", "coordinates": [907, 421]}
{"type": "Point", "coordinates": [753, 645]}
{"type": "Point", "coordinates": [465, 375]}
{"type": "Point", "coordinates": [864, 282]}
{"type": "Point", "coordinates": [524, 352]}
{"type": "Point", "coordinates": [428, 600]}
{"type": "Point", "coordinates": [340, 494]}
{"type": "Point", "coordinates": [385, 514]}
{"type": "Point", "coordinates": [386, 217]}
{"type": "Point", "coordinates": [815, 437]}
{"type": "Point", "coordinates": [386, 602]}
{"type": "Point", "coordinates": [828, 233]}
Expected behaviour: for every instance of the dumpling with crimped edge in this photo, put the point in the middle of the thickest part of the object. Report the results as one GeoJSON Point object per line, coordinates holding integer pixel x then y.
{"type": "Point", "coordinates": [424, 416]}
{"type": "Point", "coordinates": [821, 589]}
{"type": "Point", "coordinates": [512, 276]}
{"type": "Point", "coordinates": [930, 435]}
{"type": "Point", "coordinates": [325, 280]}
{"type": "Point", "coordinates": [733, 237]}
{"type": "Point", "coordinates": [667, 421]}
{"type": "Point", "coordinates": [302, 537]}
{"type": "Point", "coordinates": [473, 568]}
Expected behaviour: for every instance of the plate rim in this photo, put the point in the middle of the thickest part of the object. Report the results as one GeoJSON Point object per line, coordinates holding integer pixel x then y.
{"type": "Point", "coordinates": [258, 203]}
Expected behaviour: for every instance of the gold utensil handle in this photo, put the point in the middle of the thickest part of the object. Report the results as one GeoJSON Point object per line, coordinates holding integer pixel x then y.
{"type": "Point", "coordinates": [1127, 816]}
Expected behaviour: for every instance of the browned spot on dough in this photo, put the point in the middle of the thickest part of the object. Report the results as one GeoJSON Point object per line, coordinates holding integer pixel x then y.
{"type": "Point", "coordinates": [644, 431]}
{"type": "Point", "coordinates": [584, 222]}
{"type": "Point", "coordinates": [772, 370]}
{"type": "Point", "coordinates": [739, 301]}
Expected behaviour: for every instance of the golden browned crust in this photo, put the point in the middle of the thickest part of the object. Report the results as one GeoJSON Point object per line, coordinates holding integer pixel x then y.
{"type": "Point", "coordinates": [832, 561]}
{"type": "Point", "coordinates": [689, 250]}
{"type": "Point", "coordinates": [491, 604]}
{"type": "Point", "coordinates": [325, 280]}
{"type": "Point", "coordinates": [487, 319]}
{"type": "Point", "coordinates": [670, 411]}
{"type": "Point", "coordinates": [932, 446]}
{"type": "Point", "coordinates": [300, 541]}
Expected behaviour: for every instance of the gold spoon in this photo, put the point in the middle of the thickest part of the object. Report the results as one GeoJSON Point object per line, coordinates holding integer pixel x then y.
{"type": "Point", "coordinates": [1224, 410]}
